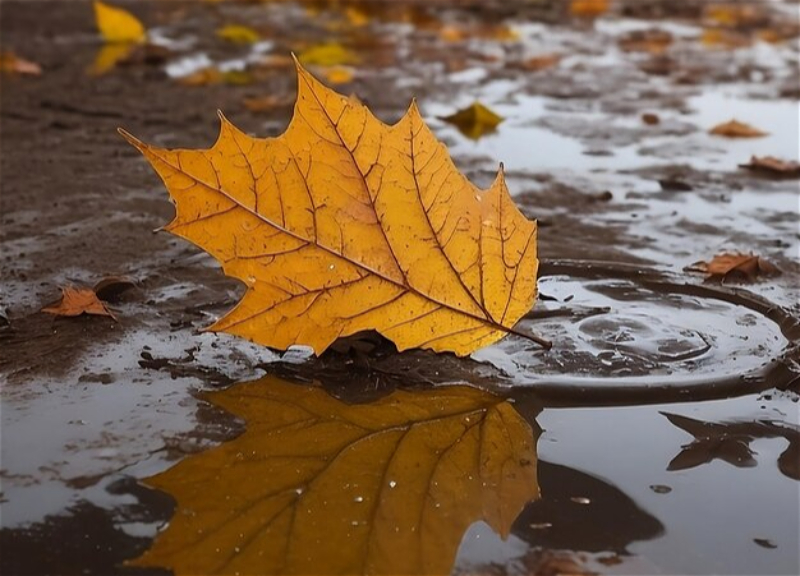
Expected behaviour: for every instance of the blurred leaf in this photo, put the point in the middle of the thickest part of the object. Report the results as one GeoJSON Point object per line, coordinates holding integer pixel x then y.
{"type": "Point", "coordinates": [238, 34]}
{"type": "Point", "coordinates": [727, 265]}
{"type": "Point", "coordinates": [339, 74]}
{"type": "Point", "coordinates": [474, 121]}
{"type": "Point", "coordinates": [331, 54]}
{"type": "Point", "coordinates": [316, 486]}
{"type": "Point", "coordinates": [109, 56]}
{"type": "Point", "coordinates": [12, 64]}
{"type": "Point", "coordinates": [736, 129]}
{"type": "Point", "coordinates": [117, 25]}
{"type": "Point", "coordinates": [773, 166]}
{"type": "Point", "coordinates": [589, 8]}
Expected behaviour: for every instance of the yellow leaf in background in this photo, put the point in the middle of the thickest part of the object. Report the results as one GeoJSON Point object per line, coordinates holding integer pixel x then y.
{"type": "Point", "coordinates": [357, 17]}
{"type": "Point", "coordinates": [109, 56]}
{"type": "Point", "coordinates": [589, 8]}
{"type": "Point", "coordinates": [339, 75]}
{"type": "Point", "coordinates": [736, 129]}
{"type": "Point", "coordinates": [13, 64]}
{"type": "Point", "coordinates": [344, 224]}
{"type": "Point", "coordinates": [317, 486]}
{"type": "Point", "coordinates": [726, 39]}
{"type": "Point", "coordinates": [474, 121]}
{"type": "Point", "coordinates": [238, 34]}
{"type": "Point", "coordinates": [331, 54]}
{"type": "Point", "coordinates": [117, 25]}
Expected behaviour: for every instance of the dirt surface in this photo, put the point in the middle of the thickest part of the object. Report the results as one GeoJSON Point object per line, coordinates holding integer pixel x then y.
{"type": "Point", "coordinates": [91, 406]}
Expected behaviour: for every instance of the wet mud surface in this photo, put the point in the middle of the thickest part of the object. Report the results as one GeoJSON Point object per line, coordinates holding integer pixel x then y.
{"type": "Point", "coordinates": [668, 407]}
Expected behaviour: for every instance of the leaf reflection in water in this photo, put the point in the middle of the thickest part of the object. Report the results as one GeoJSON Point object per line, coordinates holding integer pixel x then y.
{"type": "Point", "coordinates": [317, 486]}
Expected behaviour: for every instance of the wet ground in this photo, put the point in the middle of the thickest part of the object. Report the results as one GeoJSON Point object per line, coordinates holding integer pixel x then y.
{"type": "Point", "coordinates": [663, 427]}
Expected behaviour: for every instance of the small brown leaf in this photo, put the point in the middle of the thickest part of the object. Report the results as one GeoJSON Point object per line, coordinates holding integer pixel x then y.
{"type": "Point", "coordinates": [77, 301]}
{"type": "Point", "coordinates": [13, 64]}
{"type": "Point", "coordinates": [736, 129]}
{"type": "Point", "coordinates": [731, 265]}
{"type": "Point", "coordinates": [773, 166]}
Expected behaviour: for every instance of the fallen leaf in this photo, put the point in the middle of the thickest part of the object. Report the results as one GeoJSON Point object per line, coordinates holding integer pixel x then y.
{"type": "Point", "coordinates": [498, 33]}
{"type": "Point", "coordinates": [117, 25]}
{"type": "Point", "coordinates": [736, 129]}
{"type": "Point", "coordinates": [729, 265]}
{"type": "Point", "coordinates": [543, 62]}
{"type": "Point", "coordinates": [266, 103]}
{"type": "Point", "coordinates": [331, 54]}
{"type": "Point", "coordinates": [13, 64]}
{"type": "Point", "coordinates": [589, 8]}
{"type": "Point", "coordinates": [344, 224]}
{"type": "Point", "coordinates": [651, 119]}
{"type": "Point", "coordinates": [474, 121]}
{"type": "Point", "coordinates": [317, 486]}
{"type": "Point", "coordinates": [773, 166]}
{"type": "Point", "coordinates": [77, 301]}
{"type": "Point", "coordinates": [238, 34]}
{"type": "Point", "coordinates": [109, 56]}
{"type": "Point", "coordinates": [734, 15]}
{"type": "Point", "coordinates": [339, 75]}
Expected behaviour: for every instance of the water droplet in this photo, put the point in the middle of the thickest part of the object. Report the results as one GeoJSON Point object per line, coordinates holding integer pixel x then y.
{"type": "Point", "coordinates": [392, 483]}
{"type": "Point", "coordinates": [358, 499]}
{"type": "Point", "coordinates": [540, 525]}
{"type": "Point", "coordinates": [298, 490]}
{"type": "Point", "coordinates": [580, 500]}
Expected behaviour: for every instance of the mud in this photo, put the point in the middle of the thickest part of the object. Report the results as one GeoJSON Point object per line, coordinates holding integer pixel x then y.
{"type": "Point", "coordinates": [92, 406]}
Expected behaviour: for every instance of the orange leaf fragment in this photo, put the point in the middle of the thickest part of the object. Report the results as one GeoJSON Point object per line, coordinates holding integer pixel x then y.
{"type": "Point", "coordinates": [77, 301]}
{"type": "Point", "coordinates": [589, 7]}
{"type": "Point", "coordinates": [731, 265]}
{"type": "Point", "coordinates": [13, 64]}
{"type": "Point", "coordinates": [543, 62]}
{"type": "Point", "coordinates": [736, 129]}
{"type": "Point", "coordinates": [773, 166]}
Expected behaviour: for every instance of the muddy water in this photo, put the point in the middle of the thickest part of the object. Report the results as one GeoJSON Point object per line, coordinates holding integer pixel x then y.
{"type": "Point", "coordinates": [665, 420]}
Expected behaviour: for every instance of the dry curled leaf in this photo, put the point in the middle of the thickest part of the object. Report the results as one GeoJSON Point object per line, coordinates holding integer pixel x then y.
{"type": "Point", "coordinates": [474, 121]}
{"type": "Point", "coordinates": [117, 25]}
{"type": "Point", "coordinates": [736, 129]}
{"type": "Point", "coordinates": [773, 166]}
{"type": "Point", "coordinates": [732, 265]}
{"type": "Point", "coordinates": [651, 119]}
{"type": "Point", "coordinates": [13, 64]}
{"type": "Point", "coordinates": [77, 301]}
{"type": "Point", "coordinates": [345, 224]}
{"type": "Point", "coordinates": [317, 486]}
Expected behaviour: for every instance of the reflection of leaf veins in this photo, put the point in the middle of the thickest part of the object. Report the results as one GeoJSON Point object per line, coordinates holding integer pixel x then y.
{"type": "Point", "coordinates": [316, 486]}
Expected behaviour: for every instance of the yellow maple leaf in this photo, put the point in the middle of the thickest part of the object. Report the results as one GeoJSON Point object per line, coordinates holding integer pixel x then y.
{"type": "Point", "coordinates": [317, 486]}
{"type": "Point", "coordinates": [117, 25]}
{"type": "Point", "coordinates": [330, 54]}
{"type": "Point", "coordinates": [344, 224]}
